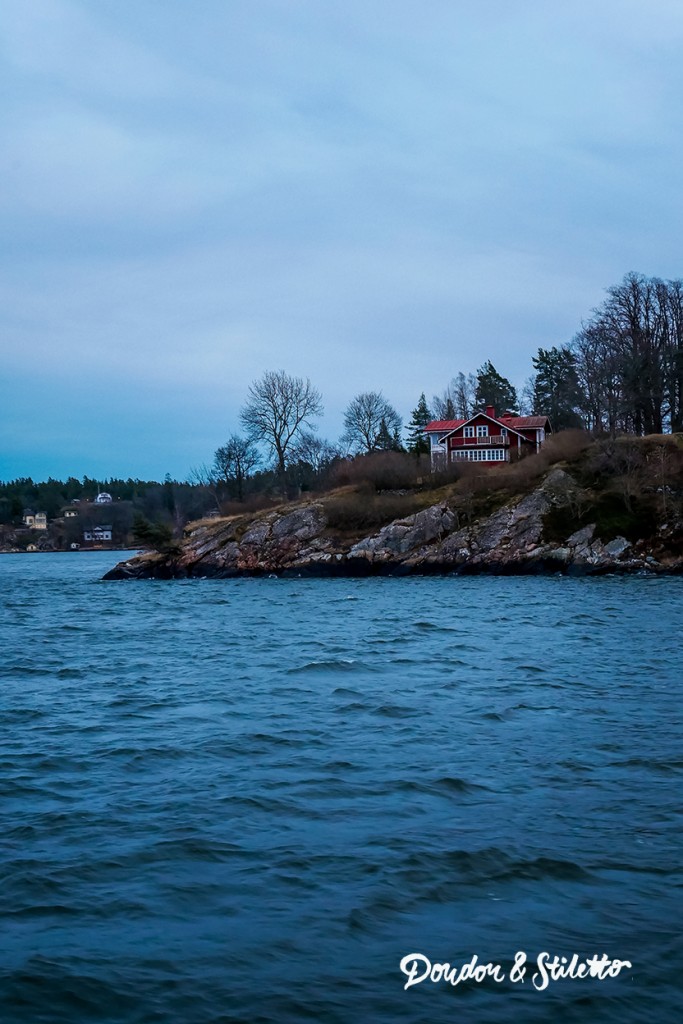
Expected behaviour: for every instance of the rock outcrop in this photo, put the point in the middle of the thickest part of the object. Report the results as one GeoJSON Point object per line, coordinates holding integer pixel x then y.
{"type": "Point", "coordinates": [298, 540]}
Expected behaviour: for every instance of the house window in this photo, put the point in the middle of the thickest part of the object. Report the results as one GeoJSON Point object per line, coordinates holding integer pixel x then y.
{"type": "Point", "coordinates": [469, 432]}
{"type": "Point", "coordinates": [480, 454]}
{"type": "Point", "coordinates": [503, 431]}
{"type": "Point", "coordinates": [483, 430]}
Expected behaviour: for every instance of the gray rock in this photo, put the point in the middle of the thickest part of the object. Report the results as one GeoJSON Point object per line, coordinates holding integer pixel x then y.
{"type": "Point", "coordinates": [406, 535]}
{"type": "Point", "coordinates": [615, 548]}
{"type": "Point", "coordinates": [560, 554]}
{"type": "Point", "coordinates": [520, 524]}
{"type": "Point", "coordinates": [582, 537]}
{"type": "Point", "coordinates": [559, 486]}
{"type": "Point", "coordinates": [302, 523]}
{"type": "Point", "coordinates": [257, 533]}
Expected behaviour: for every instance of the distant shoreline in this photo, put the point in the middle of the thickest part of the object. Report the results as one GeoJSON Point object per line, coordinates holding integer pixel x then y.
{"type": "Point", "coordinates": [69, 551]}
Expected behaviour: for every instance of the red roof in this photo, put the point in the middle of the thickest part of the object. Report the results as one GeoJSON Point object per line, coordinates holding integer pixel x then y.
{"type": "Point", "coordinates": [515, 422]}
{"type": "Point", "coordinates": [522, 422]}
{"type": "Point", "coordinates": [444, 424]}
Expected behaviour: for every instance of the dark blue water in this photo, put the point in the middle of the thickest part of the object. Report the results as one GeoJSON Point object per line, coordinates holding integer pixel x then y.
{"type": "Point", "coordinates": [248, 800]}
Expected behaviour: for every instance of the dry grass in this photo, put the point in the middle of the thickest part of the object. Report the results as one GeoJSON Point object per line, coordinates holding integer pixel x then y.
{"type": "Point", "coordinates": [382, 471]}
{"type": "Point", "coordinates": [253, 503]}
{"type": "Point", "coordinates": [353, 511]}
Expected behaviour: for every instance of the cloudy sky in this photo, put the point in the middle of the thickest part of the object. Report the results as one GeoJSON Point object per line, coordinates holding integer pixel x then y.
{"type": "Point", "coordinates": [374, 195]}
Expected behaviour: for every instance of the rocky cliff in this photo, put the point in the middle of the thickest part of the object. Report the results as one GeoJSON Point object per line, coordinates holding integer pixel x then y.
{"type": "Point", "coordinates": [520, 536]}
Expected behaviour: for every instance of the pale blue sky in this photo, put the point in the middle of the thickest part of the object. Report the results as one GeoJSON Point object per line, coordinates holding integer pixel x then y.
{"type": "Point", "coordinates": [375, 195]}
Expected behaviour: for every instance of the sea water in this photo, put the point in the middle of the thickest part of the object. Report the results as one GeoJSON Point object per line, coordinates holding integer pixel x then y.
{"type": "Point", "coordinates": [252, 800]}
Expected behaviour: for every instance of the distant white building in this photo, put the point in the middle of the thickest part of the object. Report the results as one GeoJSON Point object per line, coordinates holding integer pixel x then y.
{"type": "Point", "coordinates": [103, 498]}
{"type": "Point", "coordinates": [36, 520]}
{"type": "Point", "coordinates": [97, 534]}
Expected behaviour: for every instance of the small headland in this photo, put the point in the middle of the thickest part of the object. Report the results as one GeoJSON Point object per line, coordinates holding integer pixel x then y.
{"type": "Point", "coordinates": [580, 507]}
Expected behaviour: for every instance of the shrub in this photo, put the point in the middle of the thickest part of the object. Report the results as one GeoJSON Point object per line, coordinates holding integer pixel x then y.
{"type": "Point", "coordinates": [253, 503]}
{"type": "Point", "coordinates": [383, 471]}
{"type": "Point", "coordinates": [157, 536]}
{"type": "Point", "coordinates": [363, 510]}
{"type": "Point", "coordinates": [565, 446]}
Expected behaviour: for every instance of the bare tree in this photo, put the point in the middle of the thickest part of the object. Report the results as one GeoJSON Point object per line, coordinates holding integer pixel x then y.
{"type": "Point", "coordinates": [204, 476]}
{"type": "Point", "coordinates": [316, 452]}
{"type": "Point", "coordinates": [368, 419]}
{"type": "Point", "coordinates": [670, 296]}
{"type": "Point", "coordinates": [443, 405]}
{"type": "Point", "coordinates": [630, 358]}
{"type": "Point", "coordinates": [235, 460]}
{"type": "Point", "coordinates": [278, 408]}
{"type": "Point", "coordinates": [526, 398]}
{"type": "Point", "coordinates": [457, 399]}
{"type": "Point", "coordinates": [464, 392]}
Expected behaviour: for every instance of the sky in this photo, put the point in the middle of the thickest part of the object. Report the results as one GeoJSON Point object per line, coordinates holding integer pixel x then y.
{"type": "Point", "coordinates": [372, 195]}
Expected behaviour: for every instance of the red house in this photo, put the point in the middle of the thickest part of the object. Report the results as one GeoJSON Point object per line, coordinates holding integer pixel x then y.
{"type": "Point", "coordinates": [485, 437]}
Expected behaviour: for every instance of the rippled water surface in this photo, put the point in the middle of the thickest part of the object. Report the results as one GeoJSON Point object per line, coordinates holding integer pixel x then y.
{"type": "Point", "coordinates": [248, 800]}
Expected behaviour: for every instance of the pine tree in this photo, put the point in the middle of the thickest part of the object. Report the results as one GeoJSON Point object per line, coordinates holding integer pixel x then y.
{"type": "Point", "coordinates": [495, 390]}
{"type": "Point", "coordinates": [418, 443]}
{"type": "Point", "coordinates": [385, 441]}
{"type": "Point", "coordinates": [556, 389]}
{"type": "Point", "coordinates": [158, 536]}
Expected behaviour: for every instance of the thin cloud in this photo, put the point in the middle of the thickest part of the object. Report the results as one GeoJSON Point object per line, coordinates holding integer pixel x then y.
{"type": "Point", "coordinates": [190, 198]}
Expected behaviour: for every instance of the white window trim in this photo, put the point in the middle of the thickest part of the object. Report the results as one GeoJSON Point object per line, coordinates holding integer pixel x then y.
{"type": "Point", "coordinates": [479, 455]}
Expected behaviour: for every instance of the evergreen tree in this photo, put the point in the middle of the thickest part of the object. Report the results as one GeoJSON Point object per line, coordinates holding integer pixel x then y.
{"type": "Point", "coordinates": [158, 536]}
{"type": "Point", "coordinates": [418, 443]}
{"type": "Point", "coordinates": [386, 441]}
{"type": "Point", "coordinates": [556, 389]}
{"type": "Point", "coordinates": [493, 389]}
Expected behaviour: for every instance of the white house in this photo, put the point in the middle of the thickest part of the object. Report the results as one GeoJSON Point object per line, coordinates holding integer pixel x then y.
{"type": "Point", "coordinates": [36, 520]}
{"type": "Point", "coordinates": [97, 534]}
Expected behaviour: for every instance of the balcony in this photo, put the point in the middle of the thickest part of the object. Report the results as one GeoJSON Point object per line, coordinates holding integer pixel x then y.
{"type": "Point", "coordinates": [497, 440]}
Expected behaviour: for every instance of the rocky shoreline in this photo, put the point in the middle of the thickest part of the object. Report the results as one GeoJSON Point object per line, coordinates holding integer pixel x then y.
{"type": "Point", "coordinates": [297, 540]}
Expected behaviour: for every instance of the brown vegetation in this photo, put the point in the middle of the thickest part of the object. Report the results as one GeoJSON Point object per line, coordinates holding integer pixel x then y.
{"type": "Point", "coordinates": [253, 503]}
{"type": "Point", "coordinates": [355, 511]}
{"type": "Point", "coordinates": [382, 471]}
{"type": "Point", "coordinates": [626, 486]}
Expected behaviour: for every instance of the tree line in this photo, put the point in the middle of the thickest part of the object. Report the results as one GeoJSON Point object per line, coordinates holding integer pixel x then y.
{"type": "Point", "coordinates": [171, 501]}
{"type": "Point", "coordinates": [279, 429]}
{"type": "Point", "coordinates": [621, 373]}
